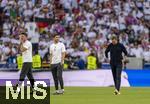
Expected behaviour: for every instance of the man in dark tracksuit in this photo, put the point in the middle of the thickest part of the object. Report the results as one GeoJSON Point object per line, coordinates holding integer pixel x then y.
{"type": "Point", "coordinates": [116, 49]}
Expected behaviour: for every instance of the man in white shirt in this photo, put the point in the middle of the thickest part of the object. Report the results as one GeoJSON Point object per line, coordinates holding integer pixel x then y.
{"type": "Point", "coordinates": [57, 55]}
{"type": "Point", "coordinates": [137, 51]}
{"type": "Point", "coordinates": [31, 29]}
{"type": "Point", "coordinates": [146, 54]}
{"type": "Point", "coordinates": [26, 50]}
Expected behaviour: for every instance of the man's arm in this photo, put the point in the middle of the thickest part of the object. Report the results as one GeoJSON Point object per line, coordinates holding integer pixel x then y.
{"type": "Point", "coordinates": [125, 60]}
{"type": "Point", "coordinates": [124, 50]}
{"type": "Point", "coordinates": [63, 57]}
{"type": "Point", "coordinates": [50, 51]}
{"type": "Point", "coordinates": [63, 54]}
{"type": "Point", "coordinates": [22, 48]}
{"type": "Point", "coordinates": [50, 58]}
{"type": "Point", "coordinates": [107, 50]}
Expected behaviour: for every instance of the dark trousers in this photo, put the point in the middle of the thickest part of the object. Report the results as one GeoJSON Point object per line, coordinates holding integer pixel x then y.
{"type": "Point", "coordinates": [116, 72]}
{"type": "Point", "coordinates": [57, 75]}
{"type": "Point", "coordinates": [27, 71]}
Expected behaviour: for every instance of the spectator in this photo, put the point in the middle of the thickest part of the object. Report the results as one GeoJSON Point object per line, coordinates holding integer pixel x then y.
{"type": "Point", "coordinates": [137, 51]}
{"type": "Point", "coordinates": [84, 25]}
{"type": "Point", "coordinates": [92, 61]}
{"type": "Point", "coordinates": [146, 55]}
{"type": "Point", "coordinates": [80, 63]}
{"type": "Point", "coordinates": [11, 61]}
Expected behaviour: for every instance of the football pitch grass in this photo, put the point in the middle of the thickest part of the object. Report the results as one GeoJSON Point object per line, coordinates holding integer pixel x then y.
{"type": "Point", "coordinates": [101, 95]}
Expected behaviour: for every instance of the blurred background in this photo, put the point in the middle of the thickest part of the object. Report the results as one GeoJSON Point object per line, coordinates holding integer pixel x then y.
{"type": "Point", "coordinates": [85, 27]}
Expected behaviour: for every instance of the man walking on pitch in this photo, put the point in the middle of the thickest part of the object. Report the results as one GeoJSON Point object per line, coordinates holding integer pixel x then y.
{"type": "Point", "coordinates": [26, 50]}
{"type": "Point", "coordinates": [116, 49]}
{"type": "Point", "coordinates": [57, 55]}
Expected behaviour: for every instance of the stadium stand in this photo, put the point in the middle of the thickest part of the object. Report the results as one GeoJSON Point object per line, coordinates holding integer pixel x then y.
{"type": "Point", "coordinates": [85, 27]}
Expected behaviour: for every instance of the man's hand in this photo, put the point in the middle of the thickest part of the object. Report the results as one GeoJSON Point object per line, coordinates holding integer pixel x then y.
{"type": "Point", "coordinates": [62, 62]}
{"type": "Point", "coordinates": [125, 60]}
{"type": "Point", "coordinates": [22, 48]}
{"type": "Point", "coordinates": [107, 60]}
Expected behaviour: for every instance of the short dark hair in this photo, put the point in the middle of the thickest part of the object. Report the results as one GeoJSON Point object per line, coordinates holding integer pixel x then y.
{"type": "Point", "coordinates": [56, 34]}
{"type": "Point", "coordinates": [25, 34]}
{"type": "Point", "coordinates": [114, 37]}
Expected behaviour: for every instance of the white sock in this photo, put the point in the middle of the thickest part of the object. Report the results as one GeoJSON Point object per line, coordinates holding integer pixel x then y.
{"type": "Point", "coordinates": [35, 87]}
{"type": "Point", "coordinates": [20, 83]}
{"type": "Point", "coordinates": [18, 89]}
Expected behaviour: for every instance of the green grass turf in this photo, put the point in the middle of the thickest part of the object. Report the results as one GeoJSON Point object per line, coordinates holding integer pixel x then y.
{"type": "Point", "coordinates": [99, 95]}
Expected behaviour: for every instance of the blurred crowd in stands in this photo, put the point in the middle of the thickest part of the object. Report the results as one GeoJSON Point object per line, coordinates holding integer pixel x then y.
{"type": "Point", "coordinates": [85, 27]}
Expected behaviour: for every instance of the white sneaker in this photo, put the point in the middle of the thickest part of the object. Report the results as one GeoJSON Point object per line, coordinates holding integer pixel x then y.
{"type": "Point", "coordinates": [56, 92]}
{"type": "Point", "coordinates": [61, 91]}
